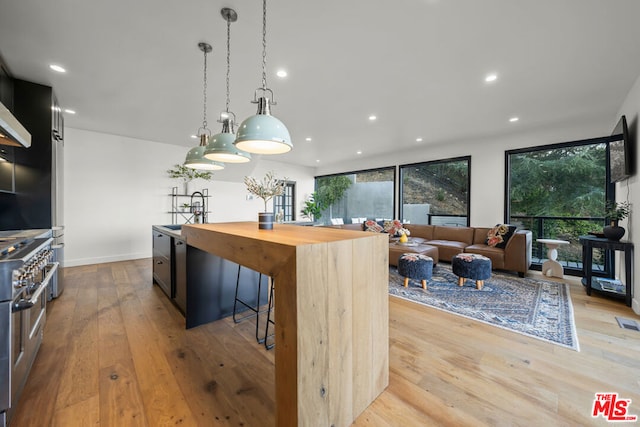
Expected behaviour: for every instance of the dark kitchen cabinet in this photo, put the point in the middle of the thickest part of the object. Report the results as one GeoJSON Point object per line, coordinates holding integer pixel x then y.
{"type": "Point", "coordinates": [180, 274]}
{"type": "Point", "coordinates": [162, 270]}
{"type": "Point", "coordinates": [30, 206]}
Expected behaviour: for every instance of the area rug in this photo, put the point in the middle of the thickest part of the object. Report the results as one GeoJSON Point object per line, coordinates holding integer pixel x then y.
{"type": "Point", "coordinates": [537, 308]}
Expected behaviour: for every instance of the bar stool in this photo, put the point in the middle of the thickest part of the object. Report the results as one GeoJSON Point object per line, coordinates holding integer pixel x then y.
{"type": "Point", "coordinates": [255, 311]}
{"type": "Point", "coordinates": [268, 345]}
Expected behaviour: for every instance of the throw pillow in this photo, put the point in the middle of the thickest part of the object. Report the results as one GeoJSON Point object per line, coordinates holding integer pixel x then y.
{"type": "Point", "coordinates": [392, 227]}
{"type": "Point", "coordinates": [499, 235]}
{"type": "Point", "coordinates": [373, 226]}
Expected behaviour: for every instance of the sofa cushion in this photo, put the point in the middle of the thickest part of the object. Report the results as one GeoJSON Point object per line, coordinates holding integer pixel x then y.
{"type": "Point", "coordinates": [392, 227]}
{"type": "Point", "coordinates": [372, 226]}
{"type": "Point", "coordinates": [499, 236]}
{"type": "Point", "coordinates": [420, 230]}
{"type": "Point", "coordinates": [496, 255]}
{"type": "Point", "coordinates": [455, 234]}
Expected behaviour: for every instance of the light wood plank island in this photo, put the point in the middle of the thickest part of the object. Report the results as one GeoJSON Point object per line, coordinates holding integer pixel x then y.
{"type": "Point", "coordinates": [331, 313]}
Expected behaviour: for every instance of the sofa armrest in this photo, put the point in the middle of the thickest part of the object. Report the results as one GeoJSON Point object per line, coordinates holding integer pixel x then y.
{"type": "Point", "coordinates": [517, 253]}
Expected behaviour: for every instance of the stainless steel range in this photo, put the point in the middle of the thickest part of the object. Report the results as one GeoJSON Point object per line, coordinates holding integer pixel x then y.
{"type": "Point", "coordinates": [26, 269]}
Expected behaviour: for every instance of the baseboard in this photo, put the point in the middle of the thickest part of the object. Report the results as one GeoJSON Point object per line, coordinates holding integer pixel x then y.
{"type": "Point", "coordinates": [101, 260]}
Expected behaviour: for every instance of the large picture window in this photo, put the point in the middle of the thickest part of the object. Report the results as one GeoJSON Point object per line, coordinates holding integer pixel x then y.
{"type": "Point", "coordinates": [353, 197]}
{"type": "Point", "coordinates": [436, 192]}
{"type": "Point", "coordinates": [559, 192]}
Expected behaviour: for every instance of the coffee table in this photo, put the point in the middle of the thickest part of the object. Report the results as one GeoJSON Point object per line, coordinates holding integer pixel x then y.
{"type": "Point", "coordinates": [396, 249]}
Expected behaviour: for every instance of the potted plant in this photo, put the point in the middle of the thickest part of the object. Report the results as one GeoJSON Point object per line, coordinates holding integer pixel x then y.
{"type": "Point", "coordinates": [312, 207]}
{"type": "Point", "coordinates": [267, 188]}
{"type": "Point", "coordinates": [187, 175]}
{"type": "Point", "coordinates": [615, 212]}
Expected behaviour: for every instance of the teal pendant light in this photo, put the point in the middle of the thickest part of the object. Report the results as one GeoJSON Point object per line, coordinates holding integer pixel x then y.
{"type": "Point", "coordinates": [220, 147]}
{"type": "Point", "coordinates": [263, 133]}
{"type": "Point", "coordinates": [195, 157]}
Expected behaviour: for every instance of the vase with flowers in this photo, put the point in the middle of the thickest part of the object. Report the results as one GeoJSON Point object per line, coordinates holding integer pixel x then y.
{"type": "Point", "coordinates": [615, 212]}
{"type": "Point", "coordinates": [267, 188]}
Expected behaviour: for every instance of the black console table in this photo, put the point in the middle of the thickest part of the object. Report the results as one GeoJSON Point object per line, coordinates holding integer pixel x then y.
{"type": "Point", "coordinates": [610, 246]}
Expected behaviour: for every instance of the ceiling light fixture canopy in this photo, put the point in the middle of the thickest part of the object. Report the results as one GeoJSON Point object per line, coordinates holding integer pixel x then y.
{"type": "Point", "coordinates": [221, 147]}
{"type": "Point", "coordinates": [263, 133]}
{"type": "Point", "coordinates": [195, 157]}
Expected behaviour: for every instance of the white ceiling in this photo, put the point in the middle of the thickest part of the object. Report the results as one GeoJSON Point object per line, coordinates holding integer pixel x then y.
{"type": "Point", "coordinates": [134, 68]}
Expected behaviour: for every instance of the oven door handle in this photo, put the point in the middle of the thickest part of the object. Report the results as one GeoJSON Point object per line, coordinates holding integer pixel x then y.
{"type": "Point", "coordinates": [23, 304]}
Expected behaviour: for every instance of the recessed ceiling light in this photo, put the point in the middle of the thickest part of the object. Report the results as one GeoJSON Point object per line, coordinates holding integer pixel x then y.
{"type": "Point", "coordinates": [317, 160]}
{"type": "Point", "coordinates": [68, 111]}
{"type": "Point", "coordinates": [491, 78]}
{"type": "Point", "coordinates": [372, 117]}
{"type": "Point", "coordinates": [514, 119]}
{"type": "Point", "coordinates": [281, 73]}
{"type": "Point", "coordinates": [308, 139]}
{"type": "Point", "coordinates": [358, 152]}
{"type": "Point", "coordinates": [418, 139]}
{"type": "Point", "coordinates": [194, 136]}
{"type": "Point", "coordinates": [57, 68]}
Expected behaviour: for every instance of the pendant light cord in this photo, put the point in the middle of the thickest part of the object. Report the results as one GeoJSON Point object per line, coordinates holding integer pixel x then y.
{"type": "Point", "coordinates": [264, 44]}
{"type": "Point", "coordinates": [204, 92]}
{"type": "Point", "coordinates": [228, 59]}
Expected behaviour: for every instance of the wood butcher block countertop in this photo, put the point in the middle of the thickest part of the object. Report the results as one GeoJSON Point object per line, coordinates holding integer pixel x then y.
{"type": "Point", "coordinates": [331, 313]}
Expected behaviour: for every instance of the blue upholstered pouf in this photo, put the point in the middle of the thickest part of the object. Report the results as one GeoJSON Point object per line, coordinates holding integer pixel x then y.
{"type": "Point", "coordinates": [415, 266]}
{"type": "Point", "coordinates": [471, 266]}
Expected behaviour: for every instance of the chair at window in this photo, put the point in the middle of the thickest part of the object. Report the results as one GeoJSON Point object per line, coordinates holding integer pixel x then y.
{"type": "Point", "coordinates": [337, 221]}
{"type": "Point", "coordinates": [356, 221]}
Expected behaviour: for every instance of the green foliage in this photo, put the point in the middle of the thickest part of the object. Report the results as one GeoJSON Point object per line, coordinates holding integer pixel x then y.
{"type": "Point", "coordinates": [187, 174]}
{"type": "Point", "coordinates": [617, 211]}
{"type": "Point", "coordinates": [560, 182]}
{"type": "Point", "coordinates": [312, 208]}
{"type": "Point", "coordinates": [331, 189]}
{"type": "Point", "coordinates": [267, 188]}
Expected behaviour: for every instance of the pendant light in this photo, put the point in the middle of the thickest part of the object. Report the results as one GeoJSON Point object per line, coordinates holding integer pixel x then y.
{"type": "Point", "coordinates": [195, 157]}
{"type": "Point", "coordinates": [263, 133]}
{"type": "Point", "coordinates": [221, 147]}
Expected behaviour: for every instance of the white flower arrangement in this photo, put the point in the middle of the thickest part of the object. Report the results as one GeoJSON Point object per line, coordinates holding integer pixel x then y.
{"type": "Point", "coordinates": [404, 231]}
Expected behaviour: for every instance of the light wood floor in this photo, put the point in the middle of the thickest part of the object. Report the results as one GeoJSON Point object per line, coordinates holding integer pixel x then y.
{"type": "Point", "coordinates": [116, 353]}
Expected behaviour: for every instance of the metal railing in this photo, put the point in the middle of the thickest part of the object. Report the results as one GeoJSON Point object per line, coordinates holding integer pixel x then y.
{"type": "Point", "coordinates": [569, 229]}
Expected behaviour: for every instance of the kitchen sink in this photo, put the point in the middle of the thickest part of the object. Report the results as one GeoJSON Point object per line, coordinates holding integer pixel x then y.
{"type": "Point", "coordinates": [173, 226]}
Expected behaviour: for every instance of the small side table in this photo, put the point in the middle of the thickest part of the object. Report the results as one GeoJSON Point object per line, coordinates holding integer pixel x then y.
{"type": "Point", "coordinates": [610, 246]}
{"type": "Point", "coordinates": [551, 267]}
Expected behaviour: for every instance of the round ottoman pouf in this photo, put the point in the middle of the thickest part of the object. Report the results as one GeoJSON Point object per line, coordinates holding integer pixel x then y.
{"type": "Point", "coordinates": [471, 266]}
{"type": "Point", "coordinates": [415, 266]}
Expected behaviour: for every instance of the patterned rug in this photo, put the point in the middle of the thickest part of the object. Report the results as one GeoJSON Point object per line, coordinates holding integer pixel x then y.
{"type": "Point", "coordinates": [533, 307]}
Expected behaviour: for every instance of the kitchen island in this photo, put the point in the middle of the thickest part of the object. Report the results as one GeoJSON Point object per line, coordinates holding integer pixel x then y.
{"type": "Point", "coordinates": [331, 313]}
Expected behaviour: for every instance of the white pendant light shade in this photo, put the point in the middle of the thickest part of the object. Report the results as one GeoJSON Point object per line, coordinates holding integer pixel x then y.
{"type": "Point", "coordinates": [263, 133]}
{"type": "Point", "coordinates": [195, 158]}
{"type": "Point", "coordinates": [222, 149]}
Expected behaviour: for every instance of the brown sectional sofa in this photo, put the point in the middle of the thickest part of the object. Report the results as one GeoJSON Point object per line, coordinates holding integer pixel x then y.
{"type": "Point", "coordinates": [450, 241]}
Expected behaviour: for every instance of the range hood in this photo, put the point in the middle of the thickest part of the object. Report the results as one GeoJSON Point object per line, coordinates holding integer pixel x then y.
{"type": "Point", "coordinates": [11, 131]}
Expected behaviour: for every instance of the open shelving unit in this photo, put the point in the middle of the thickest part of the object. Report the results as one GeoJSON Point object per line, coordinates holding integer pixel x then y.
{"type": "Point", "coordinates": [189, 215]}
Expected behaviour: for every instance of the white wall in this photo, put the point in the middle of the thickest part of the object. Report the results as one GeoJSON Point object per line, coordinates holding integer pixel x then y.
{"type": "Point", "coordinates": [630, 189]}
{"type": "Point", "coordinates": [487, 163]}
{"type": "Point", "coordinates": [116, 188]}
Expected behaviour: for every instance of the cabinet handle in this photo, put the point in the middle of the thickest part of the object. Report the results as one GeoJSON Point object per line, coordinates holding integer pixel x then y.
{"type": "Point", "coordinates": [159, 262]}
{"type": "Point", "coordinates": [179, 242]}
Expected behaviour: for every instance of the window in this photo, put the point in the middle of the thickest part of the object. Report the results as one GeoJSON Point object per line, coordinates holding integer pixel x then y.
{"type": "Point", "coordinates": [355, 196]}
{"type": "Point", "coordinates": [286, 203]}
{"type": "Point", "coordinates": [559, 192]}
{"type": "Point", "coordinates": [436, 192]}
